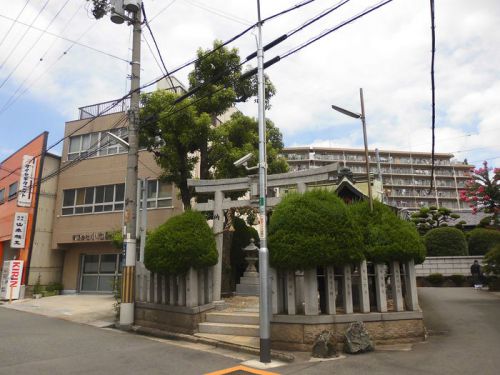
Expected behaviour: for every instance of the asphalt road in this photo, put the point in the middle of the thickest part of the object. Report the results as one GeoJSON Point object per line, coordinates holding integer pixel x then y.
{"type": "Point", "coordinates": [464, 325]}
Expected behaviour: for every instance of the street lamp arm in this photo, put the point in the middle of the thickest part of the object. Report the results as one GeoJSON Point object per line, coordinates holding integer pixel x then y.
{"type": "Point", "coordinates": [346, 112]}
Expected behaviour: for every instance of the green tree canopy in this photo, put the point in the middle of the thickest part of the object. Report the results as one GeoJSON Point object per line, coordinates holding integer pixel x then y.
{"type": "Point", "coordinates": [492, 261]}
{"type": "Point", "coordinates": [445, 242]}
{"type": "Point", "coordinates": [238, 137]}
{"type": "Point", "coordinates": [386, 236]}
{"type": "Point", "coordinates": [482, 240]}
{"type": "Point", "coordinates": [173, 134]}
{"type": "Point", "coordinates": [182, 242]}
{"type": "Point", "coordinates": [313, 229]}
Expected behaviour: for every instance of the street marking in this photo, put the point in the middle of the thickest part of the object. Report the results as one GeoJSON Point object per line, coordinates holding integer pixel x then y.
{"type": "Point", "coordinates": [241, 370]}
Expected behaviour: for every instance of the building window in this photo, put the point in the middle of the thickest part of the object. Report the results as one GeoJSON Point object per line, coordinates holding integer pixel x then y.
{"type": "Point", "coordinates": [2, 196]}
{"type": "Point", "coordinates": [88, 200]}
{"type": "Point", "coordinates": [13, 190]}
{"type": "Point", "coordinates": [96, 144]}
{"type": "Point", "coordinates": [159, 194]}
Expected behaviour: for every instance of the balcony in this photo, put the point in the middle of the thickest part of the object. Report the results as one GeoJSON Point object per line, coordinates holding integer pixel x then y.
{"type": "Point", "coordinates": [105, 108]}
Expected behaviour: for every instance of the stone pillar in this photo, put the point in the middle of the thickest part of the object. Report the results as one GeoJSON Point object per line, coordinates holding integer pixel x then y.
{"type": "Point", "coordinates": [301, 187]}
{"type": "Point", "coordinates": [411, 286]}
{"type": "Point", "coordinates": [311, 292]}
{"type": "Point", "coordinates": [218, 227]}
{"type": "Point", "coordinates": [364, 296]}
{"type": "Point", "coordinates": [192, 288]}
{"type": "Point", "coordinates": [155, 287]}
{"type": "Point", "coordinates": [274, 290]}
{"type": "Point", "coordinates": [330, 290]}
{"type": "Point", "coordinates": [163, 289]}
{"type": "Point", "coordinates": [290, 293]}
{"type": "Point", "coordinates": [347, 290]}
{"type": "Point", "coordinates": [181, 290]}
{"type": "Point", "coordinates": [148, 287]}
{"type": "Point", "coordinates": [172, 288]}
{"type": "Point", "coordinates": [210, 284]}
{"type": "Point", "coordinates": [397, 295]}
{"type": "Point", "coordinates": [380, 287]}
{"type": "Point", "coordinates": [201, 287]}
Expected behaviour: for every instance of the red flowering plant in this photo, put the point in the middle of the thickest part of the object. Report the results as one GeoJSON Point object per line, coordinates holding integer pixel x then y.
{"type": "Point", "coordinates": [482, 192]}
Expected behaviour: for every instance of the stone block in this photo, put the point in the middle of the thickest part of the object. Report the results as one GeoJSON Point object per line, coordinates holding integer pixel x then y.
{"type": "Point", "coordinates": [312, 331]}
{"type": "Point", "coordinates": [287, 332]}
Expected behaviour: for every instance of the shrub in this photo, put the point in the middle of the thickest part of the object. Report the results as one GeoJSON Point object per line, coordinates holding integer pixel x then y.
{"type": "Point", "coordinates": [54, 286]}
{"type": "Point", "coordinates": [482, 240]}
{"type": "Point", "coordinates": [435, 279]}
{"type": "Point", "coordinates": [387, 237]}
{"type": "Point", "coordinates": [116, 239]}
{"type": "Point", "coordinates": [445, 241]}
{"type": "Point", "coordinates": [458, 280]}
{"type": "Point", "coordinates": [182, 242]}
{"type": "Point", "coordinates": [312, 229]}
{"type": "Point", "coordinates": [492, 261]}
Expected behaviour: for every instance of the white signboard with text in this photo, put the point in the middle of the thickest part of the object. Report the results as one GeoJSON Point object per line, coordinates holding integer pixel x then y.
{"type": "Point", "coordinates": [10, 283]}
{"type": "Point", "coordinates": [26, 181]}
{"type": "Point", "coordinates": [18, 238]}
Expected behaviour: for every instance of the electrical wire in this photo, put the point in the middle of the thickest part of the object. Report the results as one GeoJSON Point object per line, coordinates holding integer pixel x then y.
{"type": "Point", "coordinates": [14, 22]}
{"type": "Point", "coordinates": [296, 6]}
{"type": "Point", "coordinates": [161, 11]}
{"type": "Point", "coordinates": [433, 89]}
{"type": "Point", "coordinates": [219, 13]}
{"type": "Point", "coordinates": [33, 45]}
{"type": "Point", "coordinates": [18, 43]}
{"type": "Point", "coordinates": [67, 39]}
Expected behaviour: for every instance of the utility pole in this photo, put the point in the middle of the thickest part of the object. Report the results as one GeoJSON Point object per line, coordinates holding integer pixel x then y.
{"type": "Point", "coordinates": [264, 290]}
{"type": "Point", "coordinates": [363, 120]}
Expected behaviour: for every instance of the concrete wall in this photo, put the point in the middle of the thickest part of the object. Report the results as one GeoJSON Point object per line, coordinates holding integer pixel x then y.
{"type": "Point", "coordinates": [447, 266]}
{"type": "Point", "coordinates": [45, 262]}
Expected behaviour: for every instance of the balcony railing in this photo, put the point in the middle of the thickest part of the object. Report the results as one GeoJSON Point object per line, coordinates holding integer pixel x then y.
{"type": "Point", "coordinates": [106, 108]}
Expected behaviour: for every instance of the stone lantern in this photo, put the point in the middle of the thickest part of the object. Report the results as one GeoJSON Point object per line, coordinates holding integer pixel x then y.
{"type": "Point", "coordinates": [249, 282]}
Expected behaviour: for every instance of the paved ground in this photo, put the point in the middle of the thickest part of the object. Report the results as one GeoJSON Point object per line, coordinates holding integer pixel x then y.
{"type": "Point", "coordinates": [464, 326]}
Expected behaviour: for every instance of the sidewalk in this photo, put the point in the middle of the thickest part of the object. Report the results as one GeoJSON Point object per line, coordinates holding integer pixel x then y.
{"type": "Point", "coordinates": [95, 310]}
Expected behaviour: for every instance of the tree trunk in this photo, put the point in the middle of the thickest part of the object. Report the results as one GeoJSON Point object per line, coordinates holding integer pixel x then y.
{"type": "Point", "coordinates": [185, 195]}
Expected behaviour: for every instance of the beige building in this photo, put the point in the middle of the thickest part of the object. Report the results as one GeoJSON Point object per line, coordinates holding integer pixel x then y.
{"type": "Point", "coordinates": [90, 199]}
{"type": "Point", "coordinates": [405, 175]}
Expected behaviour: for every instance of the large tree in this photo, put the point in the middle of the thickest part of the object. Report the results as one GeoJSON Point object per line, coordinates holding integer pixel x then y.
{"type": "Point", "coordinates": [217, 85]}
{"type": "Point", "coordinates": [482, 192]}
{"type": "Point", "coordinates": [428, 218]}
{"type": "Point", "coordinates": [238, 137]}
{"type": "Point", "coordinates": [173, 133]}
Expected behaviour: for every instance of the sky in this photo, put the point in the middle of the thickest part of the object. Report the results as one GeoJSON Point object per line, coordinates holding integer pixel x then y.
{"type": "Point", "coordinates": [45, 77]}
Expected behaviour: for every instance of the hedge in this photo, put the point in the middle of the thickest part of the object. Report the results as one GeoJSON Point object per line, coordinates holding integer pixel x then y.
{"type": "Point", "coordinates": [312, 229]}
{"type": "Point", "coordinates": [182, 242]}
{"type": "Point", "coordinates": [482, 240]}
{"type": "Point", "coordinates": [387, 237]}
{"type": "Point", "coordinates": [492, 261]}
{"type": "Point", "coordinates": [445, 241]}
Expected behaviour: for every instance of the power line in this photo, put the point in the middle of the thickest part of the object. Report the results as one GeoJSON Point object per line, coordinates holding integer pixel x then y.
{"type": "Point", "coordinates": [14, 22]}
{"type": "Point", "coordinates": [161, 11]}
{"type": "Point", "coordinates": [24, 34]}
{"type": "Point", "coordinates": [33, 45]}
{"type": "Point", "coordinates": [67, 39]}
{"type": "Point", "coordinates": [219, 13]}
{"type": "Point", "coordinates": [296, 6]}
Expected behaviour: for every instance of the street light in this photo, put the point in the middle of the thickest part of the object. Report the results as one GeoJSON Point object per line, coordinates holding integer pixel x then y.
{"type": "Point", "coordinates": [363, 121]}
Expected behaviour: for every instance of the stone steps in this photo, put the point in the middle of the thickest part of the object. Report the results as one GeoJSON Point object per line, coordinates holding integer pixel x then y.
{"type": "Point", "coordinates": [247, 289]}
{"type": "Point", "coordinates": [233, 318]}
{"type": "Point", "coordinates": [231, 329]}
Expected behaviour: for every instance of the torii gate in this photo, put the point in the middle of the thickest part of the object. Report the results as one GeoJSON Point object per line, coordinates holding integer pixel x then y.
{"type": "Point", "coordinates": [299, 179]}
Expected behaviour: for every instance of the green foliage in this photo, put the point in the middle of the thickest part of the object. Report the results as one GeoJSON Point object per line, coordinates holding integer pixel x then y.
{"type": "Point", "coordinates": [238, 137]}
{"type": "Point", "coordinates": [435, 279]}
{"type": "Point", "coordinates": [182, 242]}
{"type": "Point", "coordinates": [54, 286]}
{"type": "Point", "coordinates": [445, 241]}
{"type": "Point", "coordinates": [387, 237]}
{"type": "Point", "coordinates": [37, 288]}
{"type": "Point", "coordinates": [173, 135]}
{"type": "Point", "coordinates": [458, 280]}
{"type": "Point", "coordinates": [428, 218]}
{"type": "Point", "coordinates": [116, 237]}
{"type": "Point", "coordinates": [492, 261]}
{"type": "Point", "coordinates": [312, 229]}
{"type": "Point", "coordinates": [482, 240]}
{"type": "Point", "coordinates": [241, 238]}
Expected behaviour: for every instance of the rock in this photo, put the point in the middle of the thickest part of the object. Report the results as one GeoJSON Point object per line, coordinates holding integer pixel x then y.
{"type": "Point", "coordinates": [357, 339]}
{"type": "Point", "coordinates": [324, 345]}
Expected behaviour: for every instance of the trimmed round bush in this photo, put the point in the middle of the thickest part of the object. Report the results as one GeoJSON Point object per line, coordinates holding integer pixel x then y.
{"type": "Point", "coordinates": [445, 241]}
{"type": "Point", "coordinates": [492, 261]}
{"type": "Point", "coordinates": [435, 279]}
{"type": "Point", "coordinates": [482, 240]}
{"type": "Point", "coordinates": [387, 237]}
{"type": "Point", "coordinates": [312, 229]}
{"type": "Point", "coordinates": [182, 242]}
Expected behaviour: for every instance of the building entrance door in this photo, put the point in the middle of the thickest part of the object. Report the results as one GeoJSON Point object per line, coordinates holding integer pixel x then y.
{"type": "Point", "coordinates": [100, 272]}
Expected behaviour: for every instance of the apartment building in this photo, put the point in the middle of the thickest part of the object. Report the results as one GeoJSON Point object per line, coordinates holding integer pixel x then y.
{"type": "Point", "coordinates": [27, 199]}
{"type": "Point", "coordinates": [405, 175]}
{"type": "Point", "coordinates": [91, 198]}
